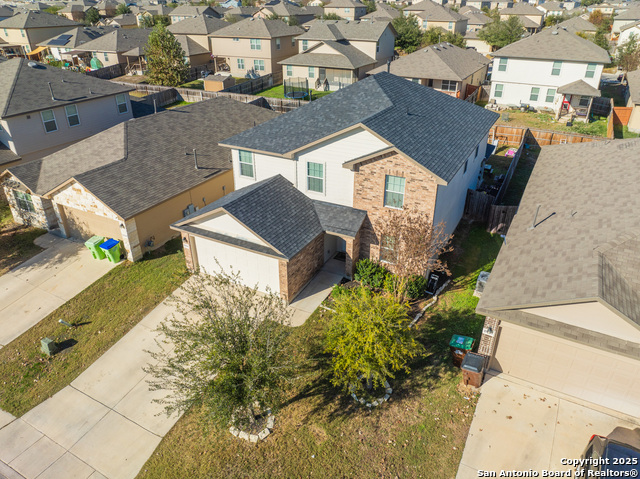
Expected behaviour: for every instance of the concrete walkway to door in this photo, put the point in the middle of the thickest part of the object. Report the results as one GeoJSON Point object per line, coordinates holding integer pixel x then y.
{"type": "Point", "coordinates": [30, 291]}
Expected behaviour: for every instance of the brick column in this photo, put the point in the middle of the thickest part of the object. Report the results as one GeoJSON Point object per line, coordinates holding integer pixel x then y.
{"type": "Point", "coordinates": [488, 338]}
{"type": "Point", "coordinates": [353, 255]}
{"type": "Point", "coordinates": [283, 273]}
{"type": "Point", "coordinates": [131, 240]}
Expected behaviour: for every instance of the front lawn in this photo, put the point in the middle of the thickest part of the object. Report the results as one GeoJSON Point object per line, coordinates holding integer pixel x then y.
{"type": "Point", "coordinates": [16, 241]}
{"type": "Point", "coordinates": [278, 92]}
{"type": "Point", "coordinates": [546, 121]}
{"type": "Point", "coordinates": [194, 85]}
{"type": "Point", "coordinates": [320, 432]}
{"type": "Point", "coordinates": [104, 313]}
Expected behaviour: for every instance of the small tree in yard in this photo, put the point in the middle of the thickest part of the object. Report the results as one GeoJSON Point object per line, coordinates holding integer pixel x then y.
{"type": "Point", "coordinates": [369, 338]}
{"type": "Point", "coordinates": [501, 33]}
{"type": "Point", "coordinates": [628, 55]}
{"type": "Point", "coordinates": [165, 58]}
{"type": "Point", "coordinates": [231, 351]}
{"type": "Point", "coordinates": [409, 36]}
{"type": "Point", "coordinates": [91, 17]}
{"type": "Point", "coordinates": [122, 8]}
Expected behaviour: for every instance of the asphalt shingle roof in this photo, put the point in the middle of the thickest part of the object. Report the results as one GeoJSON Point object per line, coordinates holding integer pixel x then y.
{"type": "Point", "coordinates": [119, 40]}
{"type": "Point", "coordinates": [36, 19]}
{"type": "Point", "coordinates": [192, 11]}
{"type": "Point", "coordinates": [345, 4]}
{"type": "Point", "coordinates": [521, 8]}
{"type": "Point", "coordinates": [140, 163]}
{"type": "Point", "coordinates": [322, 30]}
{"type": "Point", "coordinates": [630, 14]}
{"type": "Point", "coordinates": [281, 215]}
{"type": "Point", "coordinates": [477, 18]}
{"type": "Point", "coordinates": [426, 9]}
{"type": "Point", "coordinates": [346, 57]}
{"type": "Point", "coordinates": [435, 130]}
{"type": "Point", "coordinates": [24, 89]}
{"type": "Point", "coordinates": [258, 28]}
{"type": "Point", "coordinates": [200, 25]}
{"type": "Point", "coordinates": [125, 19]}
{"type": "Point", "coordinates": [578, 24]}
{"type": "Point", "coordinates": [579, 87]}
{"type": "Point", "coordinates": [585, 244]}
{"type": "Point", "coordinates": [6, 155]}
{"type": "Point", "coordinates": [79, 36]}
{"type": "Point", "coordinates": [555, 44]}
{"type": "Point", "coordinates": [382, 12]}
{"type": "Point", "coordinates": [442, 61]}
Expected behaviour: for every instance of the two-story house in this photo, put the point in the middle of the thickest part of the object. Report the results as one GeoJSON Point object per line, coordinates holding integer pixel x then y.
{"type": "Point", "coordinates": [476, 19]}
{"type": "Point", "coordinates": [562, 302]}
{"type": "Point", "coordinates": [110, 49]}
{"type": "Point", "coordinates": [321, 180]}
{"type": "Point", "coordinates": [44, 109]}
{"type": "Point", "coordinates": [432, 15]}
{"type": "Point", "coordinates": [346, 9]}
{"type": "Point", "coordinates": [444, 67]}
{"type": "Point", "coordinates": [198, 28]}
{"type": "Point", "coordinates": [383, 13]}
{"type": "Point", "coordinates": [69, 40]}
{"type": "Point", "coordinates": [335, 53]}
{"type": "Point", "coordinates": [578, 24]}
{"type": "Point", "coordinates": [132, 181]}
{"type": "Point", "coordinates": [76, 11]}
{"type": "Point", "coordinates": [182, 12]}
{"type": "Point", "coordinates": [531, 18]}
{"type": "Point", "coordinates": [286, 11]}
{"type": "Point", "coordinates": [552, 70]}
{"type": "Point", "coordinates": [22, 32]}
{"type": "Point", "coordinates": [255, 45]}
{"type": "Point", "coordinates": [551, 8]}
{"type": "Point", "coordinates": [622, 19]}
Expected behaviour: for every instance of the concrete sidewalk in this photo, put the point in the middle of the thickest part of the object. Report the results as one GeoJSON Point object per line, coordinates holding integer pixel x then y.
{"type": "Point", "coordinates": [519, 427]}
{"type": "Point", "coordinates": [45, 282]}
{"type": "Point", "coordinates": [104, 425]}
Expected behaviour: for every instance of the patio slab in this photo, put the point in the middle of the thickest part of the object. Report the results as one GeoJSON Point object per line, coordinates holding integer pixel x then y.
{"type": "Point", "coordinates": [15, 438]}
{"type": "Point", "coordinates": [69, 467]}
{"type": "Point", "coordinates": [33, 461]}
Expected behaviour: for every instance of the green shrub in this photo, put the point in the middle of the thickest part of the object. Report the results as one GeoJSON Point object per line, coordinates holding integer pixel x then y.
{"type": "Point", "coordinates": [339, 291]}
{"type": "Point", "coordinates": [371, 274]}
{"type": "Point", "coordinates": [417, 287]}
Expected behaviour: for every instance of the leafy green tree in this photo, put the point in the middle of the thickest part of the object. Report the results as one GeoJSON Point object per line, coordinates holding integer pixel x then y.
{"type": "Point", "coordinates": [551, 20]}
{"type": "Point", "coordinates": [331, 16]}
{"type": "Point", "coordinates": [493, 14]}
{"type": "Point", "coordinates": [122, 8]}
{"type": "Point", "coordinates": [368, 338]}
{"type": "Point", "coordinates": [409, 34]}
{"type": "Point", "coordinates": [293, 21]}
{"type": "Point", "coordinates": [371, 5]}
{"type": "Point", "coordinates": [596, 17]}
{"type": "Point", "coordinates": [437, 35]}
{"type": "Point", "coordinates": [91, 17]}
{"type": "Point", "coordinates": [53, 10]}
{"type": "Point", "coordinates": [501, 33]}
{"type": "Point", "coordinates": [232, 352]}
{"type": "Point", "coordinates": [165, 58]}
{"type": "Point", "coordinates": [152, 21]}
{"type": "Point", "coordinates": [600, 39]}
{"type": "Point", "coordinates": [628, 54]}
{"type": "Point", "coordinates": [248, 3]}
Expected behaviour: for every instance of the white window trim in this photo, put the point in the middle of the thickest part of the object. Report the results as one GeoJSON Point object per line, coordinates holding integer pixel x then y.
{"type": "Point", "coordinates": [253, 165]}
{"type": "Point", "coordinates": [277, 44]}
{"type": "Point", "coordinates": [125, 103]}
{"type": "Point", "coordinates": [77, 114]}
{"type": "Point", "coordinates": [255, 42]}
{"type": "Point", "coordinates": [53, 120]}
{"type": "Point", "coordinates": [324, 178]}
{"type": "Point", "coordinates": [404, 194]}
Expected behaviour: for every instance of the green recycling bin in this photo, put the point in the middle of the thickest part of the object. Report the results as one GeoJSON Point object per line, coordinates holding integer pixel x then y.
{"type": "Point", "coordinates": [93, 244]}
{"type": "Point", "coordinates": [111, 249]}
{"type": "Point", "coordinates": [460, 346]}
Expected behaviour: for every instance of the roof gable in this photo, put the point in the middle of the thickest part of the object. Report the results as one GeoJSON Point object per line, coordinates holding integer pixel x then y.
{"type": "Point", "coordinates": [36, 19]}
{"type": "Point", "coordinates": [258, 28]}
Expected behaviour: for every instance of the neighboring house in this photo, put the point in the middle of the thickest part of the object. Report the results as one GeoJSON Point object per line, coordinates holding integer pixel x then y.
{"type": "Point", "coordinates": [554, 69]}
{"type": "Point", "coordinates": [76, 11]}
{"type": "Point", "coordinates": [198, 28]}
{"type": "Point", "coordinates": [432, 15]}
{"type": "Point", "coordinates": [107, 8]}
{"type": "Point", "coordinates": [285, 11]}
{"type": "Point", "coordinates": [474, 42]}
{"type": "Point", "coordinates": [578, 24]}
{"type": "Point", "coordinates": [353, 161]}
{"type": "Point", "coordinates": [626, 31]}
{"type": "Point", "coordinates": [491, 5]}
{"type": "Point", "coordinates": [383, 13]}
{"type": "Point", "coordinates": [24, 31]}
{"type": "Point", "coordinates": [132, 181]}
{"type": "Point", "coordinates": [336, 53]}
{"type": "Point", "coordinates": [562, 302]}
{"type": "Point", "coordinates": [5, 12]}
{"type": "Point", "coordinates": [346, 9]}
{"type": "Point", "coordinates": [124, 20]}
{"type": "Point", "coordinates": [240, 13]}
{"type": "Point", "coordinates": [230, 4]}
{"type": "Point", "coordinates": [151, 11]}
{"type": "Point", "coordinates": [254, 46]}
{"type": "Point", "coordinates": [531, 18]}
{"type": "Point", "coordinates": [187, 11]}
{"type": "Point", "coordinates": [633, 84]}
{"type": "Point", "coordinates": [73, 38]}
{"type": "Point", "coordinates": [625, 18]}
{"type": "Point", "coordinates": [109, 49]}
{"type": "Point", "coordinates": [456, 71]}
{"type": "Point", "coordinates": [551, 8]}
{"type": "Point", "coordinates": [476, 20]}
{"type": "Point", "coordinates": [44, 109]}
{"type": "Point", "coordinates": [605, 8]}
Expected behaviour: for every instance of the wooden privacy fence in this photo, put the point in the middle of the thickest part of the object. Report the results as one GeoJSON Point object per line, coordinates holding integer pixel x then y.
{"type": "Point", "coordinates": [107, 73]}
{"type": "Point", "coordinates": [280, 105]}
{"type": "Point", "coordinates": [257, 84]}
{"type": "Point", "coordinates": [499, 218]}
{"type": "Point", "coordinates": [621, 115]}
{"type": "Point", "coordinates": [509, 174]}
{"type": "Point", "coordinates": [477, 205]}
{"type": "Point", "coordinates": [514, 135]}
{"type": "Point", "coordinates": [610, 121]}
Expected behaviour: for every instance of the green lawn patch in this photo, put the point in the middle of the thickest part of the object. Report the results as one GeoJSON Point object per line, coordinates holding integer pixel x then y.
{"type": "Point", "coordinates": [105, 312]}
{"type": "Point", "coordinates": [320, 432]}
{"type": "Point", "coordinates": [546, 121]}
{"type": "Point", "coordinates": [620, 131]}
{"type": "Point", "coordinates": [520, 177]}
{"type": "Point", "coordinates": [194, 85]}
{"type": "Point", "coordinates": [177, 104]}
{"type": "Point", "coordinates": [16, 241]}
{"type": "Point", "coordinates": [278, 92]}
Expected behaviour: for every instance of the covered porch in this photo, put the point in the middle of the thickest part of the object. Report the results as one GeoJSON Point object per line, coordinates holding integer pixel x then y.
{"type": "Point", "coordinates": [577, 99]}
{"type": "Point", "coordinates": [136, 62]}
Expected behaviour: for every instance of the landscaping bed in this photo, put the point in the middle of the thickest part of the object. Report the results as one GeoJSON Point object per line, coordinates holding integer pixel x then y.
{"type": "Point", "coordinates": [420, 431]}
{"type": "Point", "coordinates": [103, 313]}
{"type": "Point", "coordinates": [16, 241]}
{"type": "Point", "coordinates": [546, 121]}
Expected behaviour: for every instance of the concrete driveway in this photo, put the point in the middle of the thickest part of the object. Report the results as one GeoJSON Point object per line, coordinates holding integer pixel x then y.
{"type": "Point", "coordinates": [38, 286]}
{"type": "Point", "coordinates": [104, 425]}
{"type": "Point", "coordinates": [518, 427]}
{"type": "Point", "coordinates": [314, 293]}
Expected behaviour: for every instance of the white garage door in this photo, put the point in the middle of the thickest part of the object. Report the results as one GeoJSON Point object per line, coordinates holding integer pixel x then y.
{"type": "Point", "coordinates": [254, 268]}
{"type": "Point", "coordinates": [574, 369]}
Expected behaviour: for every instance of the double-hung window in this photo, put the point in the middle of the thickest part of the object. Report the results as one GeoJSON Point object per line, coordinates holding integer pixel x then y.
{"type": "Point", "coordinates": [305, 45]}
{"type": "Point", "coordinates": [315, 177]}
{"type": "Point", "coordinates": [551, 95]}
{"type": "Point", "coordinates": [388, 249]}
{"type": "Point", "coordinates": [584, 101]}
{"type": "Point", "coordinates": [450, 25]}
{"type": "Point", "coordinates": [591, 70]}
{"type": "Point", "coordinates": [49, 120]}
{"type": "Point", "coordinates": [394, 191]}
{"type": "Point", "coordinates": [246, 164]}
{"type": "Point", "coordinates": [555, 70]}
{"type": "Point", "coordinates": [535, 91]}
{"type": "Point", "coordinates": [236, 39]}
{"type": "Point", "coordinates": [24, 201]}
{"type": "Point", "coordinates": [256, 44]}
{"type": "Point", "coordinates": [502, 64]}
{"type": "Point", "coordinates": [106, 57]}
{"type": "Point", "coordinates": [377, 47]}
{"type": "Point", "coordinates": [240, 63]}
{"type": "Point", "coordinates": [289, 70]}
{"type": "Point", "coordinates": [312, 72]}
{"type": "Point", "coordinates": [277, 44]}
{"type": "Point", "coordinates": [449, 85]}
{"type": "Point", "coordinates": [121, 100]}
{"type": "Point", "coordinates": [258, 65]}
{"type": "Point", "coordinates": [498, 91]}
{"type": "Point", "coordinates": [72, 115]}
{"type": "Point", "coordinates": [293, 41]}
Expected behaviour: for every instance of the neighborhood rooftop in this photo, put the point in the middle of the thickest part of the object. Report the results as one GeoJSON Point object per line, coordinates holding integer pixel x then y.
{"type": "Point", "coordinates": [555, 44]}
{"type": "Point", "coordinates": [570, 241]}
{"type": "Point", "coordinates": [76, 37]}
{"type": "Point", "coordinates": [119, 40]}
{"type": "Point", "coordinates": [140, 163]}
{"type": "Point", "coordinates": [433, 12]}
{"type": "Point", "coordinates": [258, 28]}
{"type": "Point", "coordinates": [24, 89]}
{"type": "Point", "coordinates": [633, 82]}
{"type": "Point", "coordinates": [200, 25]}
{"type": "Point", "coordinates": [435, 130]}
{"type": "Point", "coordinates": [578, 24]}
{"type": "Point", "coordinates": [346, 57]}
{"type": "Point", "coordinates": [338, 30]}
{"type": "Point", "coordinates": [36, 19]}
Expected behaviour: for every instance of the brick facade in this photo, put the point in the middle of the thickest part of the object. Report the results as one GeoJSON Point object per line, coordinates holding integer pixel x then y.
{"type": "Point", "coordinates": [368, 194]}
{"type": "Point", "coordinates": [353, 254]}
{"type": "Point", "coordinates": [43, 216]}
{"type": "Point", "coordinates": [298, 271]}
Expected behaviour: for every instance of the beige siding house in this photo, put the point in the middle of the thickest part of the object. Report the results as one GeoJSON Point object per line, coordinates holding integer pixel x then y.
{"type": "Point", "coordinates": [432, 15]}
{"type": "Point", "coordinates": [346, 9]}
{"type": "Point", "coordinates": [48, 109]}
{"type": "Point", "coordinates": [254, 46]}
{"type": "Point", "coordinates": [22, 32]}
{"type": "Point", "coordinates": [198, 28]}
{"type": "Point", "coordinates": [633, 83]}
{"type": "Point", "coordinates": [183, 12]}
{"type": "Point", "coordinates": [531, 18]}
{"type": "Point", "coordinates": [110, 49]}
